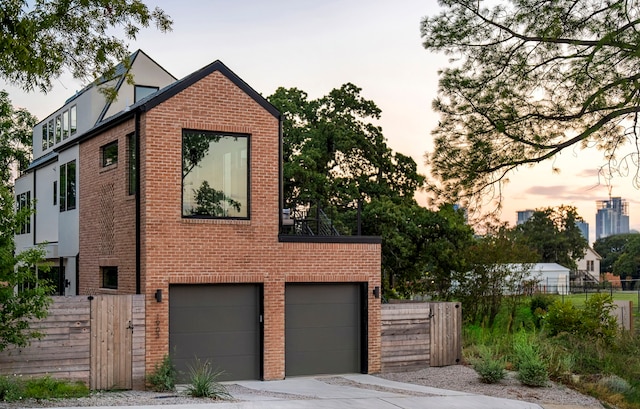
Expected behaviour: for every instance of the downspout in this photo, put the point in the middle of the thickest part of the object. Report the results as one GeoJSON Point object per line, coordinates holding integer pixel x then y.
{"type": "Point", "coordinates": [34, 201]}
{"type": "Point", "coordinates": [136, 137]}
{"type": "Point", "coordinates": [280, 174]}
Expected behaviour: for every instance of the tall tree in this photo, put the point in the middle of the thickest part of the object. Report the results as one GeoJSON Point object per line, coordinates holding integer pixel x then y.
{"type": "Point", "coordinates": [628, 264]}
{"type": "Point", "coordinates": [553, 233]}
{"type": "Point", "coordinates": [498, 273]}
{"type": "Point", "coordinates": [610, 248]}
{"type": "Point", "coordinates": [334, 154]}
{"type": "Point", "coordinates": [42, 39]}
{"type": "Point", "coordinates": [39, 40]}
{"type": "Point", "coordinates": [529, 79]}
{"type": "Point", "coordinates": [15, 138]}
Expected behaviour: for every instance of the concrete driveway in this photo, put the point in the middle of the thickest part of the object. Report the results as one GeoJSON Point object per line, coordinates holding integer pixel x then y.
{"type": "Point", "coordinates": [345, 391]}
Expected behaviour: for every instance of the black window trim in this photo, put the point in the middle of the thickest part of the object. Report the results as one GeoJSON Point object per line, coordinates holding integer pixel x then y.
{"type": "Point", "coordinates": [103, 148]}
{"type": "Point", "coordinates": [224, 133]}
{"type": "Point", "coordinates": [103, 271]}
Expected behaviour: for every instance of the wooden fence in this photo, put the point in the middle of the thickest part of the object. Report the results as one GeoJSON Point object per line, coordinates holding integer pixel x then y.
{"type": "Point", "coordinates": [83, 340]}
{"type": "Point", "coordinates": [418, 335]}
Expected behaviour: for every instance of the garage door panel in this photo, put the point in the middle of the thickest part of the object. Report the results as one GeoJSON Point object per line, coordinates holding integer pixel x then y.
{"type": "Point", "coordinates": [322, 329]}
{"type": "Point", "coordinates": [334, 294]}
{"type": "Point", "coordinates": [216, 323]}
{"type": "Point", "coordinates": [340, 362]}
{"type": "Point", "coordinates": [322, 339]}
{"type": "Point", "coordinates": [194, 319]}
{"type": "Point", "coordinates": [326, 315]}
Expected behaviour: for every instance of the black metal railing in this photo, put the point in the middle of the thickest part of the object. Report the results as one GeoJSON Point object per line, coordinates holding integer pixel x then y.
{"type": "Point", "coordinates": [316, 220]}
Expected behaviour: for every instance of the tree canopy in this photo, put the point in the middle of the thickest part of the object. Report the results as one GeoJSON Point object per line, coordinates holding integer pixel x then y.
{"type": "Point", "coordinates": [553, 234]}
{"type": "Point", "coordinates": [335, 155]}
{"type": "Point", "coordinates": [15, 138]}
{"type": "Point", "coordinates": [620, 254]}
{"type": "Point", "coordinates": [529, 79]}
{"type": "Point", "coordinates": [39, 40]}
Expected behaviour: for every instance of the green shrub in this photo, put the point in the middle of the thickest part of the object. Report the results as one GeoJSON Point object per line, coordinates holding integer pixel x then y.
{"type": "Point", "coordinates": [489, 369]}
{"type": "Point", "coordinates": [615, 384]}
{"type": "Point", "coordinates": [203, 382]}
{"type": "Point", "coordinates": [10, 389]}
{"type": "Point", "coordinates": [532, 370]}
{"type": "Point", "coordinates": [163, 377]}
{"type": "Point", "coordinates": [533, 373]}
{"type": "Point", "coordinates": [597, 320]}
{"type": "Point", "coordinates": [48, 388]}
{"type": "Point", "coordinates": [562, 317]}
{"type": "Point", "coordinates": [539, 306]}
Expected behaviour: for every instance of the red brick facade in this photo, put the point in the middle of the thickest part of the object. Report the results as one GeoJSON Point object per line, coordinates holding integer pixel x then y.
{"type": "Point", "coordinates": [178, 250]}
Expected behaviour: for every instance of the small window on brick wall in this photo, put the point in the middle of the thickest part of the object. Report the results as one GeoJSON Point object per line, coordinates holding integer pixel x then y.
{"type": "Point", "coordinates": [109, 154]}
{"type": "Point", "coordinates": [109, 277]}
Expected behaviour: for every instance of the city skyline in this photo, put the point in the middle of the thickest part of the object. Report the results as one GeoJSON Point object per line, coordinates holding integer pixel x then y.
{"type": "Point", "coordinates": [375, 45]}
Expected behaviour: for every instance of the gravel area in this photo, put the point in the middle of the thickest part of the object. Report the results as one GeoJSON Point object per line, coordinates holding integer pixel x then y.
{"type": "Point", "coordinates": [465, 379]}
{"type": "Point", "coordinates": [458, 378]}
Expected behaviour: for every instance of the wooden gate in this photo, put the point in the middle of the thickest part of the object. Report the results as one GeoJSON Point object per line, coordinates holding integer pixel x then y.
{"type": "Point", "coordinates": [111, 342]}
{"type": "Point", "coordinates": [446, 327]}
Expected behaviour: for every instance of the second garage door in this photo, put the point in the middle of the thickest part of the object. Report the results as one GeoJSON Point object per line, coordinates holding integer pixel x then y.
{"type": "Point", "coordinates": [218, 323]}
{"type": "Point", "coordinates": [323, 329]}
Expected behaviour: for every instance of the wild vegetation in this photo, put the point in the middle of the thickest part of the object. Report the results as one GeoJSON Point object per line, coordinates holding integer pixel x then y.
{"type": "Point", "coordinates": [548, 338]}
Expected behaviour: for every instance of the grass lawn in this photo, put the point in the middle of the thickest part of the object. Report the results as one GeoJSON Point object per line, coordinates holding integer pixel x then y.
{"type": "Point", "coordinates": [579, 299]}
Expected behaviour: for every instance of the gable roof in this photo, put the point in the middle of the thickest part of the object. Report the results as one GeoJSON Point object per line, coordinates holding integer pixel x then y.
{"type": "Point", "coordinates": [169, 91]}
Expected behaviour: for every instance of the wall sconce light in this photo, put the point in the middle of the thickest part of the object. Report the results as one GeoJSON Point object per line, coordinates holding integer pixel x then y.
{"type": "Point", "coordinates": [376, 292]}
{"type": "Point", "coordinates": [158, 295]}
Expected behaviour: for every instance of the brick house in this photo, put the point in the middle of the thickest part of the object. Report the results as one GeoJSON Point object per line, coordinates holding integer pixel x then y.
{"type": "Point", "coordinates": [179, 199]}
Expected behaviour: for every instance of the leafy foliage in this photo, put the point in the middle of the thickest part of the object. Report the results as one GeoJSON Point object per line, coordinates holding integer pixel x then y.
{"type": "Point", "coordinates": [334, 155]}
{"type": "Point", "coordinates": [594, 320]}
{"type": "Point", "coordinates": [553, 233]}
{"type": "Point", "coordinates": [610, 248]}
{"type": "Point", "coordinates": [497, 273]}
{"type": "Point", "coordinates": [23, 296]}
{"type": "Point", "coordinates": [15, 137]}
{"type": "Point", "coordinates": [529, 79]}
{"type": "Point", "coordinates": [43, 39]}
{"type": "Point", "coordinates": [163, 377]}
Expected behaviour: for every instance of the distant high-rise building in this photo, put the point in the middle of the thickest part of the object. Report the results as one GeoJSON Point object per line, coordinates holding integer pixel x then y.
{"type": "Point", "coordinates": [524, 215]}
{"type": "Point", "coordinates": [584, 229]}
{"type": "Point", "coordinates": [612, 217]}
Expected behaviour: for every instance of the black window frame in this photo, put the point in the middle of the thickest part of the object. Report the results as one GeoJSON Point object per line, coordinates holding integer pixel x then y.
{"type": "Point", "coordinates": [147, 88]}
{"type": "Point", "coordinates": [67, 187]}
{"type": "Point", "coordinates": [109, 277]}
{"type": "Point", "coordinates": [131, 164]}
{"type": "Point", "coordinates": [248, 175]}
{"type": "Point", "coordinates": [23, 200]}
{"type": "Point", "coordinates": [106, 154]}
{"type": "Point", "coordinates": [73, 120]}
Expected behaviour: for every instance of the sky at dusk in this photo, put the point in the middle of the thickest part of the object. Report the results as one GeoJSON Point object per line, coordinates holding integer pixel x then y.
{"type": "Point", "coordinates": [317, 46]}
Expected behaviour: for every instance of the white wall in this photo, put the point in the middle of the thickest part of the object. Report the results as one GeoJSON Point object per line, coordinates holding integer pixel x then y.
{"type": "Point", "coordinates": [68, 236]}
{"type": "Point", "coordinates": [145, 72]}
{"type": "Point", "coordinates": [46, 212]}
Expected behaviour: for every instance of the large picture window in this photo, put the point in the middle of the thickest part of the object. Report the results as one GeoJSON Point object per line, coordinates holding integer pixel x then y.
{"type": "Point", "coordinates": [215, 175]}
{"type": "Point", "coordinates": [67, 196]}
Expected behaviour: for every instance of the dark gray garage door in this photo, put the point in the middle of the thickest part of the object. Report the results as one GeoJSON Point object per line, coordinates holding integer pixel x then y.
{"type": "Point", "coordinates": [219, 323]}
{"type": "Point", "coordinates": [323, 329]}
